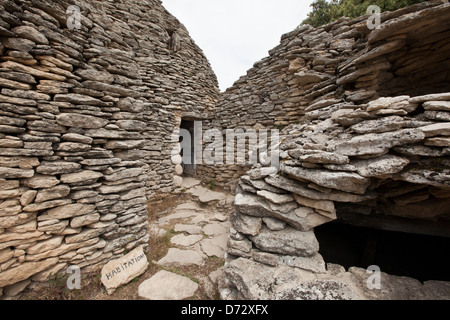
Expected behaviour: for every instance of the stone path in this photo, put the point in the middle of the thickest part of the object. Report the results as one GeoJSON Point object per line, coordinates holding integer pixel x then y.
{"type": "Point", "coordinates": [200, 228]}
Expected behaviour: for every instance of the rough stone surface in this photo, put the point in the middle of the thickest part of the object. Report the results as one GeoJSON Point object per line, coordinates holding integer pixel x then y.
{"type": "Point", "coordinates": [167, 286]}
{"type": "Point", "coordinates": [89, 120]}
{"type": "Point", "coordinates": [121, 271]}
{"type": "Point", "coordinates": [85, 117]}
{"type": "Point", "coordinates": [177, 257]}
{"type": "Point", "coordinates": [288, 241]}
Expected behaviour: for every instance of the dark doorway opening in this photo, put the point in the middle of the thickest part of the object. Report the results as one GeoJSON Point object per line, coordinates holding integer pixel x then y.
{"type": "Point", "coordinates": [422, 257]}
{"type": "Point", "coordinates": [189, 168]}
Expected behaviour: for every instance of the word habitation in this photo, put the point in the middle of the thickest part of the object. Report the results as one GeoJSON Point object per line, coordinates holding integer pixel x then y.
{"type": "Point", "coordinates": [124, 266]}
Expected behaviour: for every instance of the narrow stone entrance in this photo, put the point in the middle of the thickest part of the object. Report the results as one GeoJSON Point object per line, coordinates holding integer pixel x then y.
{"type": "Point", "coordinates": [419, 256]}
{"type": "Point", "coordinates": [188, 154]}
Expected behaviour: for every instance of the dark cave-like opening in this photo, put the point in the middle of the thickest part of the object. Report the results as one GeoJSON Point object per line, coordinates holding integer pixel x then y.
{"type": "Point", "coordinates": [422, 257]}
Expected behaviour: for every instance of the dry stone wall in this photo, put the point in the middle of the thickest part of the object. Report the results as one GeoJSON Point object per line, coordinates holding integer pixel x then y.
{"type": "Point", "coordinates": [314, 72]}
{"type": "Point", "coordinates": [86, 122]}
{"type": "Point", "coordinates": [354, 150]}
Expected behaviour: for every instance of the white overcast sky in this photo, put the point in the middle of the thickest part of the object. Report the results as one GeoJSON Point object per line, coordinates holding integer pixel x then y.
{"type": "Point", "coordinates": [234, 34]}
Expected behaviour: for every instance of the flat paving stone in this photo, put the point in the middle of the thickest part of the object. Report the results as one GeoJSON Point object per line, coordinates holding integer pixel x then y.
{"type": "Point", "coordinates": [188, 228]}
{"type": "Point", "coordinates": [205, 195]}
{"type": "Point", "coordinates": [166, 285]}
{"type": "Point", "coordinates": [189, 182]}
{"type": "Point", "coordinates": [215, 246]}
{"type": "Point", "coordinates": [188, 206]}
{"type": "Point", "coordinates": [181, 214]}
{"type": "Point", "coordinates": [185, 241]}
{"type": "Point", "coordinates": [178, 258]}
{"type": "Point", "coordinates": [214, 229]}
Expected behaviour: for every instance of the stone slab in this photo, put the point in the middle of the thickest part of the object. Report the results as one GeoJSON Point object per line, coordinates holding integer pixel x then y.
{"type": "Point", "coordinates": [121, 271]}
{"type": "Point", "coordinates": [167, 286]}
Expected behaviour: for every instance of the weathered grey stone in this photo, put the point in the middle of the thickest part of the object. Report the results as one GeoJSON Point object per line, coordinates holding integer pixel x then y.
{"type": "Point", "coordinates": [25, 271]}
{"type": "Point", "coordinates": [244, 245]}
{"type": "Point", "coordinates": [76, 98]}
{"type": "Point", "coordinates": [19, 44]}
{"type": "Point", "coordinates": [74, 137]}
{"type": "Point", "coordinates": [215, 247]}
{"type": "Point", "coordinates": [436, 129]}
{"type": "Point", "coordinates": [41, 181]}
{"type": "Point", "coordinates": [94, 74]}
{"type": "Point", "coordinates": [288, 241]}
{"type": "Point", "coordinates": [84, 220]}
{"type": "Point", "coordinates": [70, 210]}
{"type": "Point", "coordinates": [57, 167]}
{"type": "Point", "coordinates": [275, 198]}
{"type": "Point", "coordinates": [381, 166]}
{"type": "Point", "coordinates": [274, 224]}
{"type": "Point", "coordinates": [44, 246]}
{"type": "Point", "coordinates": [246, 224]}
{"type": "Point", "coordinates": [178, 258]}
{"type": "Point", "coordinates": [188, 228]}
{"type": "Point", "coordinates": [185, 241]}
{"type": "Point", "coordinates": [302, 218]}
{"type": "Point", "coordinates": [384, 124]}
{"type": "Point", "coordinates": [320, 157]}
{"type": "Point", "coordinates": [437, 105]}
{"type": "Point", "coordinates": [214, 229]}
{"type": "Point", "coordinates": [30, 33]}
{"type": "Point", "coordinates": [121, 271]}
{"type": "Point", "coordinates": [378, 144]}
{"type": "Point", "coordinates": [344, 181]}
{"type": "Point", "coordinates": [314, 263]}
{"type": "Point", "coordinates": [324, 205]}
{"type": "Point", "coordinates": [83, 177]}
{"type": "Point", "coordinates": [80, 121]}
{"type": "Point", "coordinates": [126, 173]}
{"type": "Point", "coordinates": [167, 286]}
{"type": "Point", "coordinates": [57, 192]}
{"type": "Point", "coordinates": [13, 173]}
{"type": "Point", "coordinates": [438, 142]}
{"type": "Point", "coordinates": [124, 144]}
{"type": "Point", "coordinates": [260, 173]}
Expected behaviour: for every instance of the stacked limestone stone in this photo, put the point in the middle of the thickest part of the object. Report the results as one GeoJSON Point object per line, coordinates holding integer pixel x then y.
{"type": "Point", "coordinates": [326, 164]}
{"type": "Point", "coordinates": [314, 72]}
{"type": "Point", "coordinates": [86, 117]}
{"type": "Point", "coordinates": [351, 151]}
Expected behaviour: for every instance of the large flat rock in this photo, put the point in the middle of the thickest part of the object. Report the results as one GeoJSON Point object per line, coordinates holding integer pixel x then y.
{"type": "Point", "coordinates": [205, 195]}
{"type": "Point", "coordinates": [121, 271]}
{"type": "Point", "coordinates": [167, 286]}
{"type": "Point", "coordinates": [288, 241]}
{"type": "Point", "coordinates": [189, 182]}
{"type": "Point", "coordinates": [179, 258]}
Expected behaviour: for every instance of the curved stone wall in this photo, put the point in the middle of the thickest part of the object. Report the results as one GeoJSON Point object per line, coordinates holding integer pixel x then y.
{"type": "Point", "coordinates": [354, 153]}
{"type": "Point", "coordinates": [314, 72]}
{"type": "Point", "coordinates": [87, 114]}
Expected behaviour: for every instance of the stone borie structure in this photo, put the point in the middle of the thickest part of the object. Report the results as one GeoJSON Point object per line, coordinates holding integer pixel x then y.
{"type": "Point", "coordinates": [366, 142]}
{"type": "Point", "coordinates": [87, 119]}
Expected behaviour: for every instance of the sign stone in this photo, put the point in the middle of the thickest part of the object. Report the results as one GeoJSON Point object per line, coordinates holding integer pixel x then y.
{"type": "Point", "coordinates": [121, 271]}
